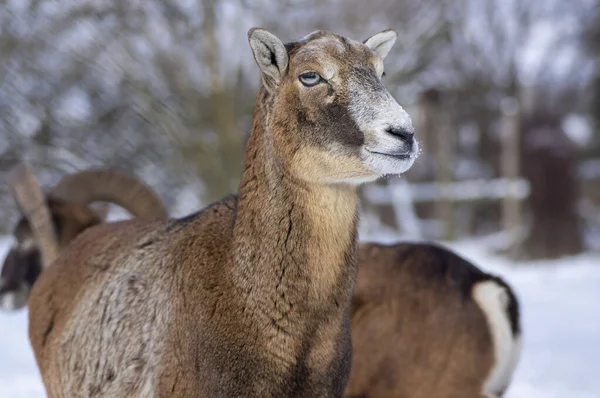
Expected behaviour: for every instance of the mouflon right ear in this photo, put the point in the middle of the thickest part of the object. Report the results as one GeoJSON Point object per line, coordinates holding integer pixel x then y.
{"type": "Point", "coordinates": [381, 43]}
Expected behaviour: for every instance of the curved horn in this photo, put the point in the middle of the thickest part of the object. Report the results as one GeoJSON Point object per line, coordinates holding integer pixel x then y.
{"type": "Point", "coordinates": [32, 203]}
{"type": "Point", "coordinates": [109, 185]}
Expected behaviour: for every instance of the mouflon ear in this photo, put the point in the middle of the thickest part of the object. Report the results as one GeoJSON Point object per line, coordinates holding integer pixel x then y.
{"type": "Point", "coordinates": [381, 43]}
{"type": "Point", "coordinates": [269, 52]}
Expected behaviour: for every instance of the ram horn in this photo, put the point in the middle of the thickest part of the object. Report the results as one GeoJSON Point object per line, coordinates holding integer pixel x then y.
{"type": "Point", "coordinates": [31, 201]}
{"type": "Point", "coordinates": [109, 185]}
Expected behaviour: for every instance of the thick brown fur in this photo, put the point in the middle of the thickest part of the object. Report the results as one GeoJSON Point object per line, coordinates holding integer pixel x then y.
{"type": "Point", "coordinates": [417, 332]}
{"type": "Point", "coordinates": [247, 298]}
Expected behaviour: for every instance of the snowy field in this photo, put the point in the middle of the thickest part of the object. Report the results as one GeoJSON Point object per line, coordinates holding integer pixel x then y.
{"type": "Point", "coordinates": [561, 319]}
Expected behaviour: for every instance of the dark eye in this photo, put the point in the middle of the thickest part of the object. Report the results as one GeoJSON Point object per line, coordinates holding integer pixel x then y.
{"type": "Point", "coordinates": [310, 79]}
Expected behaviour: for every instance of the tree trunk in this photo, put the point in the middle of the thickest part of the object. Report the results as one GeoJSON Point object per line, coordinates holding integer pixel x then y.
{"type": "Point", "coordinates": [550, 163]}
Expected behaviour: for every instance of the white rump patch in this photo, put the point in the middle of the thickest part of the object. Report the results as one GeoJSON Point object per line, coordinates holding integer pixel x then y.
{"type": "Point", "coordinates": [493, 300]}
{"type": "Point", "coordinates": [12, 301]}
{"type": "Point", "coordinates": [7, 301]}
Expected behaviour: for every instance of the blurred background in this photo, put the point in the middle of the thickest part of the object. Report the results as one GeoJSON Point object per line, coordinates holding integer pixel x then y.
{"type": "Point", "coordinates": [504, 95]}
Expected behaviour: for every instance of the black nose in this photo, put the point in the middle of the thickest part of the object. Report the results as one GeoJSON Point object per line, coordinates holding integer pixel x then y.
{"type": "Point", "coordinates": [404, 133]}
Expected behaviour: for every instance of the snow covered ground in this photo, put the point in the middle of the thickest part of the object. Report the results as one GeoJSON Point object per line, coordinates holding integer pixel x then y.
{"type": "Point", "coordinates": [560, 303]}
{"type": "Point", "coordinates": [561, 318]}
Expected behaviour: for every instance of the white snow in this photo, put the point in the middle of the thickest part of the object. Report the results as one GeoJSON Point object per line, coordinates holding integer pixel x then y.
{"type": "Point", "coordinates": [78, 37]}
{"type": "Point", "coordinates": [560, 303]}
{"type": "Point", "coordinates": [73, 107]}
{"type": "Point", "coordinates": [27, 124]}
{"type": "Point", "coordinates": [579, 129]}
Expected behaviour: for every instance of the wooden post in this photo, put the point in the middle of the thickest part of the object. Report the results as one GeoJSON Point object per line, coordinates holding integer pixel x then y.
{"type": "Point", "coordinates": [444, 171]}
{"type": "Point", "coordinates": [510, 167]}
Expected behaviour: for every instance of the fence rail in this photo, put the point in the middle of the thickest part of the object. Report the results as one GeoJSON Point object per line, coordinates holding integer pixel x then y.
{"type": "Point", "coordinates": [459, 191]}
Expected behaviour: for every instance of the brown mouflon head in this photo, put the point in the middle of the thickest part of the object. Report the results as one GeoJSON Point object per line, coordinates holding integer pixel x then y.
{"type": "Point", "coordinates": [331, 120]}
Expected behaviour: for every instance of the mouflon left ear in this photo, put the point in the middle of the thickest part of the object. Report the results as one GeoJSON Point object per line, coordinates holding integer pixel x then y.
{"type": "Point", "coordinates": [269, 52]}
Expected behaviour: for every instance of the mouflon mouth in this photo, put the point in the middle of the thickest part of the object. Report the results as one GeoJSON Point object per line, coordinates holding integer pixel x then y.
{"type": "Point", "coordinates": [385, 161]}
{"type": "Point", "coordinates": [396, 155]}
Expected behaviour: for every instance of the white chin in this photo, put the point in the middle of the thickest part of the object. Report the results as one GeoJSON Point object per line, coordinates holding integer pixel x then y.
{"type": "Point", "coordinates": [387, 164]}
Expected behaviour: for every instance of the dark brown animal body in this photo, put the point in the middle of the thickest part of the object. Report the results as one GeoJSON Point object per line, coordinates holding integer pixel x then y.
{"type": "Point", "coordinates": [251, 296]}
{"type": "Point", "coordinates": [444, 287]}
{"type": "Point", "coordinates": [427, 323]}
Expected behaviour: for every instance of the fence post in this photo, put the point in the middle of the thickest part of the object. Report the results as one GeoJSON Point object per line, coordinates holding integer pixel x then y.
{"type": "Point", "coordinates": [510, 166]}
{"type": "Point", "coordinates": [444, 170]}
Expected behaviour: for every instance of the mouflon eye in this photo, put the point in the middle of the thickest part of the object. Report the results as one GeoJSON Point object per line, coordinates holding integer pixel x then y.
{"type": "Point", "coordinates": [310, 79]}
